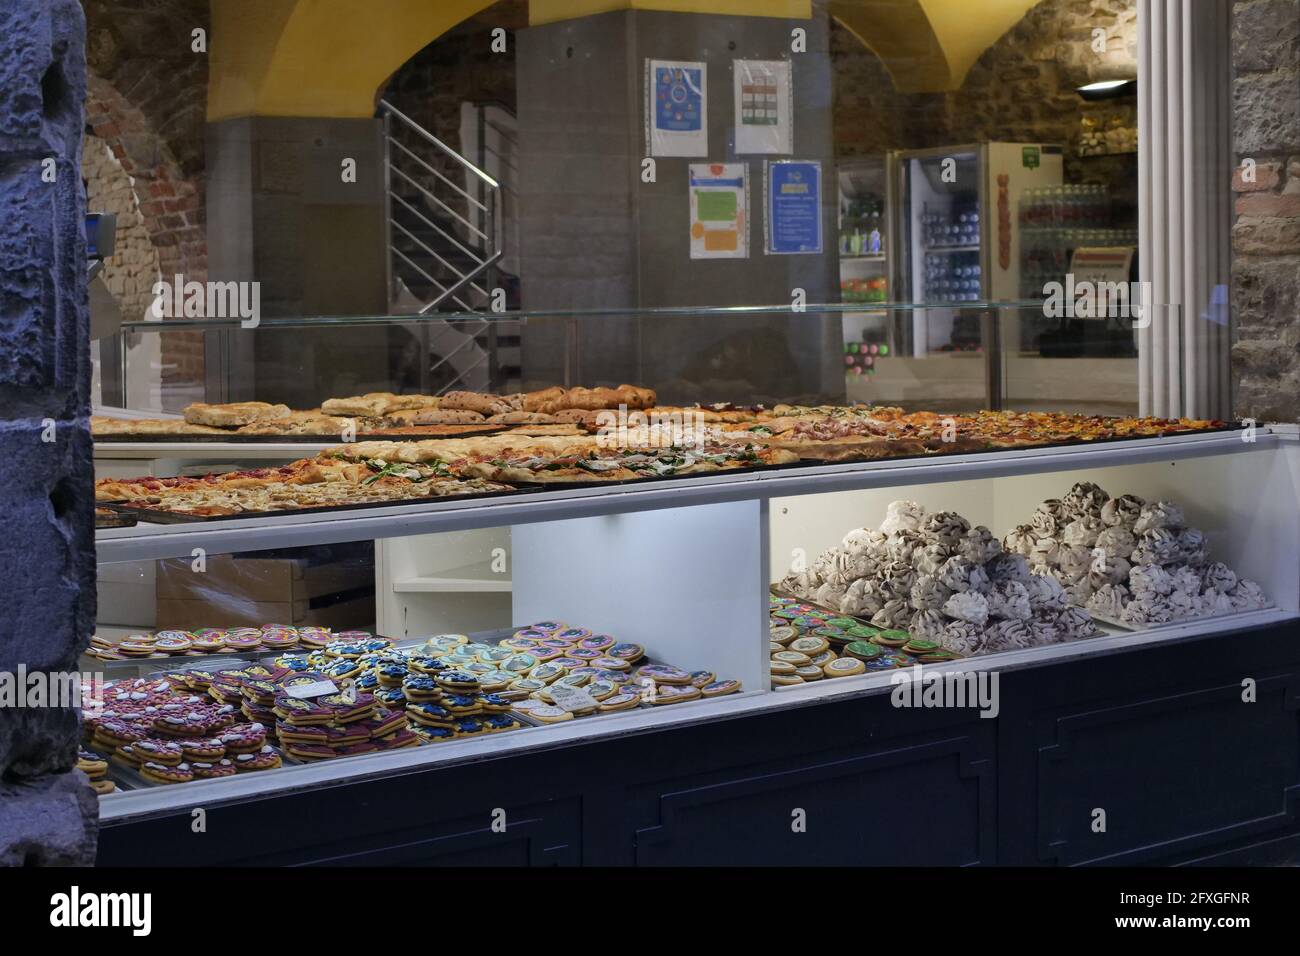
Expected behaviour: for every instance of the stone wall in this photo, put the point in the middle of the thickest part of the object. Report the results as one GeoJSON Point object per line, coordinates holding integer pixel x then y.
{"type": "Point", "coordinates": [1022, 89]}
{"type": "Point", "coordinates": [1266, 233]}
{"type": "Point", "coordinates": [47, 557]}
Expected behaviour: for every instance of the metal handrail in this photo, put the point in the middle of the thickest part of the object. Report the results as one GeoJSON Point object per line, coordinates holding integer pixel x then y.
{"type": "Point", "coordinates": [465, 279]}
{"type": "Point", "coordinates": [442, 207]}
{"type": "Point", "coordinates": [441, 288]}
{"type": "Point", "coordinates": [423, 133]}
{"type": "Point", "coordinates": [435, 227]}
{"type": "Point", "coordinates": [441, 261]}
{"type": "Point", "coordinates": [435, 172]}
{"type": "Point", "coordinates": [434, 199]}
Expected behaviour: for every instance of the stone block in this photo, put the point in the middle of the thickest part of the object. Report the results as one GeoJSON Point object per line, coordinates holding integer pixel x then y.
{"type": "Point", "coordinates": [47, 557]}
{"type": "Point", "coordinates": [48, 821]}
{"type": "Point", "coordinates": [1260, 236]}
{"type": "Point", "coordinates": [1265, 294]}
{"type": "Point", "coordinates": [1265, 35]}
{"type": "Point", "coordinates": [1266, 107]}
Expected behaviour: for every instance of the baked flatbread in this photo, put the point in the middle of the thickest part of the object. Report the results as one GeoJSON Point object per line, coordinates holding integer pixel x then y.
{"type": "Point", "coordinates": [103, 427]}
{"type": "Point", "coordinates": [233, 414]}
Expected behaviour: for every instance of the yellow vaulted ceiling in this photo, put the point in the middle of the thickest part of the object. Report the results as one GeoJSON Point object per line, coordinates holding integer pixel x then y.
{"type": "Point", "coordinates": [329, 57]}
{"type": "Point", "coordinates": [548, 11]}
{"type": "Point", "coordinates": [317, 57]}
{"type": "Point", "coordinates": [928, 46]}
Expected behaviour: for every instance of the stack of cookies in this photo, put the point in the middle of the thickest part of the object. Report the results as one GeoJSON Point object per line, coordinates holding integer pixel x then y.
{"type": "Point", "coordinates": [535, 668]}
{"type": "Point", "coordinates": [810, 645]}
{"type": "Point", "coordinates": [95, 767]}
{"type": "Point", "coordinates": [211, 640]}
{"type": "Point", "coordinates": [168, 733]}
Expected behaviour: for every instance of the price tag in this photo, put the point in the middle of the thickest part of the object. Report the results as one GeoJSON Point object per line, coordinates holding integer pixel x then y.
{"type": "Point", "coordinates": [572, 699]}
{"type": "Point", "coordinates": [318, 689]}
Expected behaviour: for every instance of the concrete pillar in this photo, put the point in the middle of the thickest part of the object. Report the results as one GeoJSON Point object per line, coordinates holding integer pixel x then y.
{"type": "Point", "coordinates": [47, 557]}
{"type": "Point", "coordinates": [281, 214]}
{"type": "Point", "coordinates": [593, 235]}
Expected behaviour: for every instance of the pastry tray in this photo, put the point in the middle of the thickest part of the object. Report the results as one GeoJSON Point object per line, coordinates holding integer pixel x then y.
{"type": "Point", "coordinates": [615, 483]}
{"type": "Point", "coordinates": [238, 439]}
{"type": "Point", "coordinates": [117, 520]}
{"type": "Point", "coordinates": [1133, 628]}
{"type": "Point", "coordinates": [154, 516]}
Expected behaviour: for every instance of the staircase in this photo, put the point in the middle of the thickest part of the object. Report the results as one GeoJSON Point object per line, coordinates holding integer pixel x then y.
{"type": "Point", "coordinates": [445, 246]}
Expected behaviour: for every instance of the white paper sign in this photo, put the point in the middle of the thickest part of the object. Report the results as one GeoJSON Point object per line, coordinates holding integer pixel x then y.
{"type": "Point", "coordinates": [318, 689]}
{"type": "Point", "coordinates": [719, 211]}
{"type": "Point", "coordinates": [764, 97]}
{"type": "Point", "coordinates": [677, 108]}
{"type": "Point", "coordinates": [572, 699]}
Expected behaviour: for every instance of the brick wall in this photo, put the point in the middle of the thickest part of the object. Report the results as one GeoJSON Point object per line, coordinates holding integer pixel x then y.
{"type": "Point", "coordinates": [1266, 232]}
{"type": "Point", "coordinates": [133, 268]}
{"type": "Point", "coordinates": [147, 101]}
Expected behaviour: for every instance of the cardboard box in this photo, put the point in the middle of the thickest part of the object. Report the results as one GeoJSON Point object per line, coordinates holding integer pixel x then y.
{"type": "Point", "coordinates": [182, 614]}
{"type": "Point", "coordinates": [330, 586]}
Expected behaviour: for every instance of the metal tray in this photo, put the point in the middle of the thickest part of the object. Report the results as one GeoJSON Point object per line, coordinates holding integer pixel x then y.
{"type": "Point", "coordinates": [153, 516]}
{"type": "Point", "coordinates": [116, 520]}
{"type": "Point", "coordinates": [238, 439]}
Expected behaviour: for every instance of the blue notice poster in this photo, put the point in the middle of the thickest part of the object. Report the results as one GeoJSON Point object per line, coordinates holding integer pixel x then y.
{"type": "Point", "coordinates": [794, 208]}
{"type": "Point", "coordinates": [679, 97]}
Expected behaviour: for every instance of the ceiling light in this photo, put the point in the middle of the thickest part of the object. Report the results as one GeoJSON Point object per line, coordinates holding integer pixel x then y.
{"type": "Point", "coordinates": [1107, 89]}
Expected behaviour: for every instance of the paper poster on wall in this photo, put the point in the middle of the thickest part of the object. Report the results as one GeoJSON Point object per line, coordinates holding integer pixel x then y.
{"type": "Point", "coordinates": [677, 118]}
{"type": "Point", "coordinates": [793, 201]}
{"type": "Point", "coordinates": [764, 106]}
{"type": "Point", "coordinates": [719, 203]}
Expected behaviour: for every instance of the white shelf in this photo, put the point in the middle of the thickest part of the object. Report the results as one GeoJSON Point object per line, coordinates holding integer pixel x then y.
{"type": "Point", "coordinates": [476, 577]}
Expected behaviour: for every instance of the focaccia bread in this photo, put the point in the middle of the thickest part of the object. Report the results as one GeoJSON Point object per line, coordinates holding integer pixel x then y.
{"type": "Point", "coordinates": [553, 400]}
{"type": "Point", "coordinates": [101, 426]}
{"type": "Point", "coordinates": [447, 416]}
{"type": "Point", "coordinates": [302, 423]}
{"type": "Point", "coordinates": [233, 414]}
{"type": "Point", "coordinates": [376, 404]}
{"type": "Point", "coordinates": [476, 402]}
{"type": "Point", "coordinates": [536, 401]}
{"type": "Point", "coordinates": [396, 403]}
{"type": "Point", "coordinates": [523, 418]}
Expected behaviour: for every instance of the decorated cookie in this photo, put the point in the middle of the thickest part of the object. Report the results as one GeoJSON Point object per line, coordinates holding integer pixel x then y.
{"type": "Point", "coordinates": [674, 694]}
{"type": "Point", "coordinates": [720, 688]}
{"type": "Point", "coordinates": [844, 667]}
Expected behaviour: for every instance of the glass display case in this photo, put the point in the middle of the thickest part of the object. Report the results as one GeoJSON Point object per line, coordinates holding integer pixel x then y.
{"type": "Point", "coordinates": [568, 575]}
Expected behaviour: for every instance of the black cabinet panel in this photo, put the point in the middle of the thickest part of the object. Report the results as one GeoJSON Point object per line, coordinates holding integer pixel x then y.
{"type": "Point", "coordinates": [926, 804]}
{"type": "Point", "coordinates": [1147, 765]}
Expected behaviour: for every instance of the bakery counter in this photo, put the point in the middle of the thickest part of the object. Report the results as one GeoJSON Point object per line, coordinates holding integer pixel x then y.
{"type": "Point", "coordinates": [1119, 717]}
